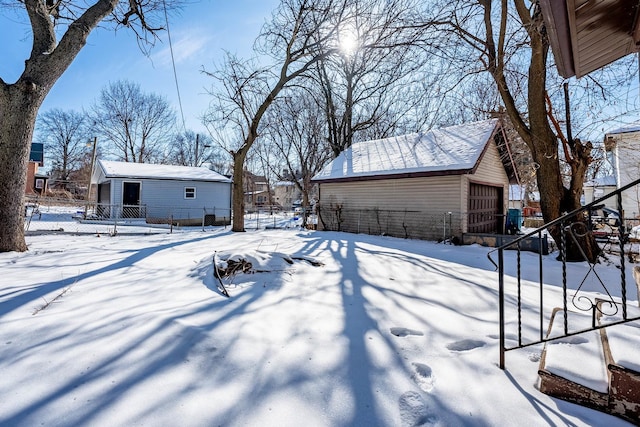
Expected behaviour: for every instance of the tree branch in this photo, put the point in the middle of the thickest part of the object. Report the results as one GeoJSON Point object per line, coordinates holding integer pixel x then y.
{"type": "Point", "coordinates": [558, 128]}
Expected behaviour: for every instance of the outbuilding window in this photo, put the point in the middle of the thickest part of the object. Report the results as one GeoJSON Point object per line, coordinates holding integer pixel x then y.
{"type": "Point", "coordinates": [189, 192]}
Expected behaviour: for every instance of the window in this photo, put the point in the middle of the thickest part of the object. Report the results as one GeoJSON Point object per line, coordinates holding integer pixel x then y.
{"type": "Point", "coordinates": [189, 192]}
{"type": "Point", "coordinates": [39, 183]}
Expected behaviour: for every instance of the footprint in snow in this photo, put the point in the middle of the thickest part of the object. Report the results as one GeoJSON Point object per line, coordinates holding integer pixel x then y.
{"type": "Point", "coordinates": [572, 340]}
{"type": "Point", "coordinates": [535, 357]}
{"type": "Point", "coordinates": [414, 411]}
{"type": "Point", "coordinates": [403, 332]}
{"type": "Point", "coordinates": [465, 345]}
{"type": "Point", "coordinates": [423, 376]}
{"type": "Point", "coordinates": [512, 337]}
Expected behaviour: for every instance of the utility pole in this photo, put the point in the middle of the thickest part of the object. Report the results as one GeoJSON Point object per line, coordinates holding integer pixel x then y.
{"type": "Point", "coordinates": [197, 148]}
{"type": "Point", "coordinates": [204, 147]}
{"type": "Point", "coordinates": [93, 162]}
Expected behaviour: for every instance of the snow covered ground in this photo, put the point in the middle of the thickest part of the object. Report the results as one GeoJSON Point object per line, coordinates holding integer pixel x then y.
{"type": "Point", "coordinates": [132, 330]}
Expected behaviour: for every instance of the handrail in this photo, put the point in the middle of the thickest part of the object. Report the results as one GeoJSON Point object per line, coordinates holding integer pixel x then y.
{"type": "Point", "coordinates": [562, 219]}
{"type": "Point", "coordinates": [580, 300]}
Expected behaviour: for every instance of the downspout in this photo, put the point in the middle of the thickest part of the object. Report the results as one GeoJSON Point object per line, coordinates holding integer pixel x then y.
{"type": "Point", "coordinates": [231, 200]}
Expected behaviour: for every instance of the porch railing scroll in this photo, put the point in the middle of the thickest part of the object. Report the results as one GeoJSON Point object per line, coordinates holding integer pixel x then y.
{"type": "Point", "coordinates": [571, 232]}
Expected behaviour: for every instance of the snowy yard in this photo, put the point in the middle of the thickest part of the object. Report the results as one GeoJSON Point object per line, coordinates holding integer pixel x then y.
{"type": "Point", "coordinates": [132, 330]}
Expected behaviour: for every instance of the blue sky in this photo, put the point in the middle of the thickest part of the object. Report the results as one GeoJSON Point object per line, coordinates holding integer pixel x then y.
{"type": "Point", "coordinates": [200, 33]}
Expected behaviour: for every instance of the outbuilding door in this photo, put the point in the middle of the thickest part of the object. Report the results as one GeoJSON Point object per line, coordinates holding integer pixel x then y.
{"type": "Point", "coordinates": [485, 209]}
{"type": "Point", "coordinates": [131, 200]}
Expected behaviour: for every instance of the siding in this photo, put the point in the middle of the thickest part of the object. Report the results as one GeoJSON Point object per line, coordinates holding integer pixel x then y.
{"type": "Point", "coordinates": [428, 193]}
{"type": "Point", "coordinates": [165, 198]}
{"type": "Point", "coordinates": [627, 165]}
{"type": "Point", "coordinates": [408, 207]}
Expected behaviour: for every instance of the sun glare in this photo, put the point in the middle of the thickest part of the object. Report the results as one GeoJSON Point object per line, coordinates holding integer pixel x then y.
{"type": "Point", "coordinates": [348, 42]}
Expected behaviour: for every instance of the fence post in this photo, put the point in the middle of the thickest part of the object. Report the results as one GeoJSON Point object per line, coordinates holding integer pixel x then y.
{"type": "Point", "coordinates": [204, 215]}
{"type": "Point", "coordinates": [444, 227]}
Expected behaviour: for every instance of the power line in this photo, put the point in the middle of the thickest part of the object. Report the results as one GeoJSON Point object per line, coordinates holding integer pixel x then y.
{"type": "Point", "coordinates": [173, 63]}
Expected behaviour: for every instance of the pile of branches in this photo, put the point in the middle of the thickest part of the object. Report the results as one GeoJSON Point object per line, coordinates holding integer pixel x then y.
{"type": "Point", "coordinates": [233, 267]}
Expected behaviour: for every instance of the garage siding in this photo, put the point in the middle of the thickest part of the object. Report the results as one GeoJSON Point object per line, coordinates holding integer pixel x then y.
{"type": "Point", "coordinates": [407, 207]}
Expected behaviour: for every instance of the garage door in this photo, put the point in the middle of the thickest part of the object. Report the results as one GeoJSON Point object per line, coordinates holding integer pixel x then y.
{"type": "Point", "coordinates": [485, 209]}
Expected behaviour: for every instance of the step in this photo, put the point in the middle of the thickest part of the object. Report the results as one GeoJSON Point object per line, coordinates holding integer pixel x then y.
{"type": "Point", "coordinates": [600, 368]}
{"type": "Point", "coordinates": [622, 356]}
{"type": "Point", "coordinates": [561, 375]}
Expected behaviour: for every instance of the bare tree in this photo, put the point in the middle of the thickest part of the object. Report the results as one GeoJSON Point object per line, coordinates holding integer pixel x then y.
{"type": "Point", "coordinates": [364, 85]}
{"type": "Point", "coordinates": [510, 42]}
{"type": "Point", "coordinates": [190, 149]}
{"type": "Point", "coordinates": [47, 61]}
{"type": "Point", "coordinates": [297, 138]}
{"type": "Point", "coordinates": [65, 136]}
{"type": "Point", "coordinates": [136, 126]}
{"type": "Point", "coordinates": [296, 38]}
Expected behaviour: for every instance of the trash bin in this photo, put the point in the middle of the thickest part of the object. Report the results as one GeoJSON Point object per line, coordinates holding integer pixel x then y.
{"type": "Point", "coordinates": [514, 221]}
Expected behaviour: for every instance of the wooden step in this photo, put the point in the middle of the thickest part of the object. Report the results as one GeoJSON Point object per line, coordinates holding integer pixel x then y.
{"type": "Point", "coordinates": [599, 369]}
{"type": "Point", "coordinates": [572, 368]}
{"type": "Point", "coordinates": [622, 355]}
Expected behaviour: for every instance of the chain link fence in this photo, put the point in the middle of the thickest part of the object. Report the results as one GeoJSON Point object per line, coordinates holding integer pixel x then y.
{"type": "Point", "coordinates": [270, 219]}
{"type": "Point", "coordinates": [404, 223]}
{"type": "Point", "coordinates": [43, 215]}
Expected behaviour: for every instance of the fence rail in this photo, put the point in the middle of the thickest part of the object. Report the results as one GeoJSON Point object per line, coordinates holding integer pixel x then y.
{"type": "Point", "coordinates": [78, 216]}
{"type": "Point", "coordinates": [404, 223]}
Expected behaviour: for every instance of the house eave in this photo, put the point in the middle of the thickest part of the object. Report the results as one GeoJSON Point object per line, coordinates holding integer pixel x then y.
{"type": "Point", "coordinates": [588, 35]}
{"type": "Point", "coordinates": [557, 25]}
{"type": "Point", "coordinates": [402, 175]}
{"type": "Point", "coordinates": [155, 178]}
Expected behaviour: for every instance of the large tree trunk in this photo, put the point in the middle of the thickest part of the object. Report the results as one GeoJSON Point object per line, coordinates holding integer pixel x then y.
{"type": "Point", "coordinates": [555, 199]}
{"type": "Point", "coordinates": [238, 190]}
{"type": "Point", "coordinates": [19, 104]}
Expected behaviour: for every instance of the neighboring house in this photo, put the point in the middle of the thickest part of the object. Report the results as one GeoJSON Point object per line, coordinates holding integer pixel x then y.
{"type": "Point", "coordinates": [516, 196]}
{"type": "Point", "coordinates": [159, 193]}
{"type": "Point", "coordinates": [286, 194]}
{"type": "Point", "coordinates": [623, 147]}
{"type": "Point", "coordinates": [257, 194]}
{"type": "Point", "coordinates": [36, 181]}
{"type": "Point", "coordinates": [433, 185]}
{"type": "Point", "coordinates": [600, 187]}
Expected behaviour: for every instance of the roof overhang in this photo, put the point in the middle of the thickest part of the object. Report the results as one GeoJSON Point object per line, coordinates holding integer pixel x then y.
{"type": "Point", "coordinates": [402, 175]}
{"type": "Point", "coordinates": [586, 35]}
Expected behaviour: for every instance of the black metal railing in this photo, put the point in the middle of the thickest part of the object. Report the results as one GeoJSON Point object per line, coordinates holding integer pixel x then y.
{"type": "Point", "coordinates": [575, 231]}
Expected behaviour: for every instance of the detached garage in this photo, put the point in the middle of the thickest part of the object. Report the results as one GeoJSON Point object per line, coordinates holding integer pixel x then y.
{"type": "Point", "coordinates": [162, 193]}
{"type": "Point", "coordinates": [436, 185]}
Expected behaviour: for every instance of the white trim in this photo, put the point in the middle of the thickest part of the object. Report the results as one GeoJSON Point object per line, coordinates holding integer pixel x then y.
{"type": "Point", "coordinates": [187, 192]}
